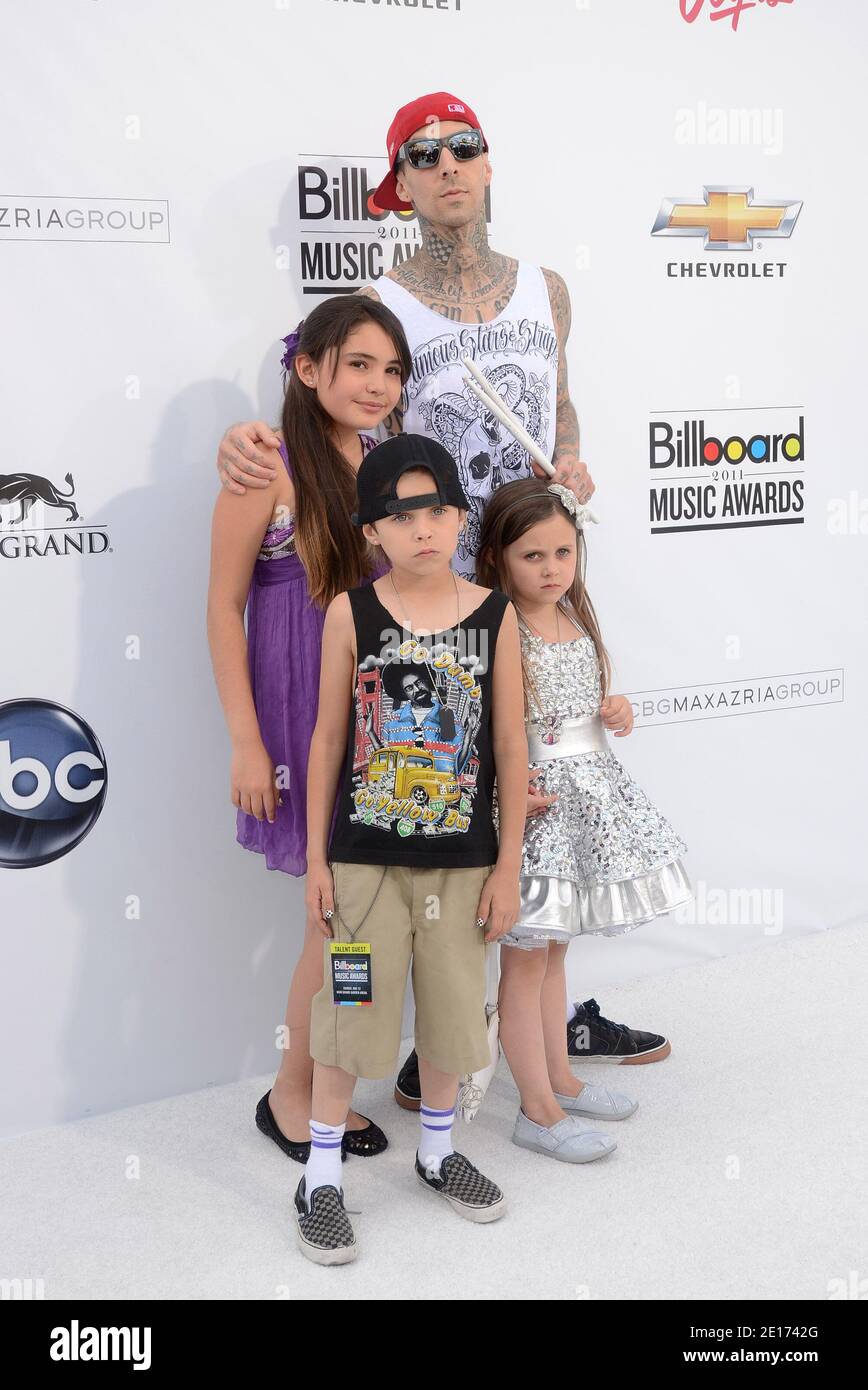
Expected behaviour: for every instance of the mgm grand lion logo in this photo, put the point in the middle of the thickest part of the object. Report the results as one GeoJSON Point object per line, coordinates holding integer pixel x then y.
{"type": "Point", "coordinates": [21, 534]}
{"type": "Point", "coordinates": [23, 489]}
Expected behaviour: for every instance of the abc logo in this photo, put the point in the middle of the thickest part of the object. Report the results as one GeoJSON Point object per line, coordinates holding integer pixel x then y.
{"type": "Point", "coordinates": [52, 782]}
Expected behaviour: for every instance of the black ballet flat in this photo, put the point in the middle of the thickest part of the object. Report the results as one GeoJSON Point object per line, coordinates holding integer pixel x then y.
{"type": "Point", "coordinates": [299, 1149]}
{"type": "Point", "coordinates": [364, 1143]}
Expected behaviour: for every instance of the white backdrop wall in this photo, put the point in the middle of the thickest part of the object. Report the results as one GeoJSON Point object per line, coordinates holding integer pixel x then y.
{"type": "Point", "coordinates": [155, 956]}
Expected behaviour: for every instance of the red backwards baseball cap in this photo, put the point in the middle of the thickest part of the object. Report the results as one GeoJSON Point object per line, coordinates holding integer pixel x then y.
{"type": "Point", "coordinates": [436, 106]}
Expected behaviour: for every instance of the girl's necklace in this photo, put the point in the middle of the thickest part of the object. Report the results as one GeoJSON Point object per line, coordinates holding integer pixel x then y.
{"type": "Point", "coordinates": [405, 621]}
{"type": "Point", "coordinates": [552, 723]}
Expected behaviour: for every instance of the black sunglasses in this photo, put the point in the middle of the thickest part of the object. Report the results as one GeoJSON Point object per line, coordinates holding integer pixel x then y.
{"type": "Point", "coordinates": [424, 153]}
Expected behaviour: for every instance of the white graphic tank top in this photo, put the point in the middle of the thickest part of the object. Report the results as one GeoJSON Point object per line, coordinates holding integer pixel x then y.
{"type": "Point", "coordinates": [518, 352]}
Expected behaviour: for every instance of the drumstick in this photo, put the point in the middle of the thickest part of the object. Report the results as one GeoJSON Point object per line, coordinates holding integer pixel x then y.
{"type": "Point", "coordinates": [485, 392]}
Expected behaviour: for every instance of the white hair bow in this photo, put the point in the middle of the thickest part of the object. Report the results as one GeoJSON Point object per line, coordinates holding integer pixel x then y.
{"type": "Point", "coordinates": [579, 511]}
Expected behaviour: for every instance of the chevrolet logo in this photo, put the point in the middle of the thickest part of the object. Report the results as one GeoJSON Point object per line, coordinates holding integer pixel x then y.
{"type": "Point", "coordinates": [728, 219]}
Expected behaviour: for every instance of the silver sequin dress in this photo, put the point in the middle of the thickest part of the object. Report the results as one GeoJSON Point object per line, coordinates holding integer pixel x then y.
{"type": "Point", "coordinates": [601, 859]}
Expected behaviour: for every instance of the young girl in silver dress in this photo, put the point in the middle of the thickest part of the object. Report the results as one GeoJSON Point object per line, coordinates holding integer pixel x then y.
{"type": "Point", "coordinates": [599, 859]}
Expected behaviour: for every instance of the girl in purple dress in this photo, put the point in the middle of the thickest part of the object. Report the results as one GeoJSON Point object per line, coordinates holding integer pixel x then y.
{"type": "Point", "coordinates": [283, 552]}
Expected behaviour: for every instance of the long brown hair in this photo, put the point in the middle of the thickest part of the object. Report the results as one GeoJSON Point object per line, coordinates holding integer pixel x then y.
{"type": "Point", "coordinates": [509, 513]}
{"type": "Point", "coordinates": [334, 552]}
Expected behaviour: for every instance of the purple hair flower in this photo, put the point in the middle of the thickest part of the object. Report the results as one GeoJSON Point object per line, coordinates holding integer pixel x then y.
{"type": "Point", "coordinates": [291, 341]}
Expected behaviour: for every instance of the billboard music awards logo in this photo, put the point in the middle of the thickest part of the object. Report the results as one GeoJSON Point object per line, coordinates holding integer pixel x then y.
{"type": "Point", "coordinates": [38, 518]}
{"type": "Point", "coordinates": [53, 782]}
{"type": "Point", "coordinates": [726, 469]}
{"type": "Point", "coordinates": [728, 218]}
{"type": "Point", "coordinates": [343, 239]}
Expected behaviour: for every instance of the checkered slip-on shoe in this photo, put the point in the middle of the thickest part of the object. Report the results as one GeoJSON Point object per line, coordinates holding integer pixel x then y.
{"type": "Point", "coordinates": [473, 1196]}
{"type": "Point", "coordinates": [325, 1232]}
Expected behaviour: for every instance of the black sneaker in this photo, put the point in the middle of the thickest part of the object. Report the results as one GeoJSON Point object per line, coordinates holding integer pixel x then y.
{"type": "Point", "coordinates": [473, 1196]}
{"type": "Point", "coordinates": [325, 1233]}
{"type": "Point", "coordinates": [408, 1088]}
{"type": "Point", "coordinates": [598, 1039]}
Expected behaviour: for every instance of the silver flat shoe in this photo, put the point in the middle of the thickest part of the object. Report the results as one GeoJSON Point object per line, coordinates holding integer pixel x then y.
{"type": "Point", "coordinates": [598, 1103]}
{"type": "Point", "coordinates": [569, 1140]}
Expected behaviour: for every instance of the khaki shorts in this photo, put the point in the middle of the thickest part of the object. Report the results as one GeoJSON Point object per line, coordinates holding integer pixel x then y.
{"type": "Point", "coordinates": [424, 914]}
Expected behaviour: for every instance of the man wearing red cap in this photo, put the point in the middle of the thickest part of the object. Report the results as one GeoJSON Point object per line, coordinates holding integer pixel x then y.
{"type": "Point", "coordinates": [456, 295]}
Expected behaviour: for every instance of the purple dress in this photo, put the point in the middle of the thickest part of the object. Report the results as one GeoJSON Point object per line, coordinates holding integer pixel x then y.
{"type": "Point", "coordinates": [284, 646]}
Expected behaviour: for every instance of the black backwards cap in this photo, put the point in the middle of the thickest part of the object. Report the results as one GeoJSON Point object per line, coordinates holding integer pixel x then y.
{"type": "Point", "coordinates": [377, 478]}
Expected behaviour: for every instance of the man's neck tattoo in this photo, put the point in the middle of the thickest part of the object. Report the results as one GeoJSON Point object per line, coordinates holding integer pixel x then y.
{"type": "Point", "coordinates": [459, 276]}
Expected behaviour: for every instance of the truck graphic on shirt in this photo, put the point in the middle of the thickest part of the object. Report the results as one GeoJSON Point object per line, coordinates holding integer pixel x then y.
{"type": "Point", "coordinates": [410, 772]}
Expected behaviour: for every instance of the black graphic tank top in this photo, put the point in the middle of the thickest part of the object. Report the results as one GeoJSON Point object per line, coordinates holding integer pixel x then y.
{"type": "Point", "coordinates": [418, 779]}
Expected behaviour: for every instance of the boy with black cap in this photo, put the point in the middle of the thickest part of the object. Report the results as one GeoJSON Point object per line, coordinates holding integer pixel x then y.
{"type": "Point", "coordinates": [430, 667]}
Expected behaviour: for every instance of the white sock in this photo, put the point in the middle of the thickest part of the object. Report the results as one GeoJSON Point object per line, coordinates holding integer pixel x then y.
{"type": "Point", "coordinates": [571, 1012]}
{"type": "Point", "coordinates": [323, 1168]}
{"type": "Point", "coordinates": [435, 1135]}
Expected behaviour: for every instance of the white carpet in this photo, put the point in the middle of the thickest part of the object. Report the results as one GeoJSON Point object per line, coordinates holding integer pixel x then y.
{"type": "Point", "coordinates": [742, 1175]}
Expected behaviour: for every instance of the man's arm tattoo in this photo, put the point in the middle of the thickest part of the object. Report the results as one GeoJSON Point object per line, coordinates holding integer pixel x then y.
{"type": "Point", "coordinates": [567, 433]}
